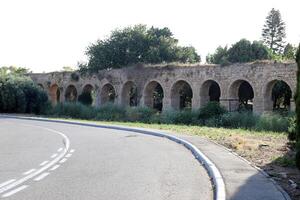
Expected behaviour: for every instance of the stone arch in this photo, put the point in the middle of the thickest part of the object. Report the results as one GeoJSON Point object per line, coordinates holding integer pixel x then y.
{"type": "Point", "coordinates": [107, 94]}
{"type": "Point", "coordinates": [153, 95]}
{"type": "Point", "coordinates": [210, 91]}
{"type": "Point", "coordinates": [277, 99]}
{"type": "Point", "coordinates": [54, 94]}
{"type": "Point", "coordinates": [129, 96]}
{"type": "Point", "coordinates": [181, 95]}
{"type": "Point", "coordinates": [241, 95]}
{"type": "Point", "coordinates": [71, 94]}
{"type": "Point", "coordinates": [87, 95]}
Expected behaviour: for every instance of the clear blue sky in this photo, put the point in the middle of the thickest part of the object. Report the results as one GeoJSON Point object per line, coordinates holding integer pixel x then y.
{"type": "Point", "coordinates": [45, 35]}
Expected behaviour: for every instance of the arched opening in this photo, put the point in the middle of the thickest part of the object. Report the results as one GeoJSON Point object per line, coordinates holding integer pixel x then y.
{"type": "Point", "coordinates": [108, 94]}
{"type": "Point", "coordinates": [181, 95]}
{"type": "Point", "coordinates": [277, 96]}
{"type": "Point", "coordinates": [71, 94]}
{"type": "Point", "coordinates": [241, 96]}
{"type": "Point", "coordinates": [54, 94]}
{"type": "Point", "coordinates": [87, 97]}
{"type": "Point", "coordinates": [129, 94]}
{"type": "Point", "coordinates": [153, 96]}
{"type": "Point", "coordinates": [209, 91]}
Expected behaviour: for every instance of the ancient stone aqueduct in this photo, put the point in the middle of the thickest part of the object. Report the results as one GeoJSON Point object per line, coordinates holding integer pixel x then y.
{"type": "Point", "coordinates": [198, 83]}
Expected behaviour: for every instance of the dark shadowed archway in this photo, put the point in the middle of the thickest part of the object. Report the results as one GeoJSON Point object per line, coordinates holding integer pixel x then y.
{"type": "Point", "coordinates": [107, 94]}
{"type": "Point", "coordinates": [71, 94]}
{"type": "Point", "coordinates": [241, 95]}
{"type": "Point", "coordinates": [209, 91]}
{"type": "Point", "coordinates": [129, 94]}
{"type": "Point", "coordinates": [181, 95]}
{"type": "Point", "coordinates": [54, 94]}
{"type": "Point", "coordinates": [87, 96]}
{"type": "Point", "coordinates": [153, 95]}
{"type": "Point", "coordinates": [277, 96]}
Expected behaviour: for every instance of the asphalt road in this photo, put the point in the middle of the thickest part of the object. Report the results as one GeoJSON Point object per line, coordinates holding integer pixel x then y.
{"type": "Point", "coordinates": [48, 161]}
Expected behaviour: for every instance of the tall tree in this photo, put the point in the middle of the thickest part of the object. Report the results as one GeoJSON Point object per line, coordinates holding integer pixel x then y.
{"type": "Point", "coordinates": [137, 44]}
{"type": "Point", "coordinates": [273, 32]}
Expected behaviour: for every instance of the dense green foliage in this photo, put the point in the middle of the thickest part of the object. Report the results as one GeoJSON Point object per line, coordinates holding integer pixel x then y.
{"type": "Point", "coordinates": [18, 94]}
{"type": "Point", "coordinates": [137, 44]}
{"type": "Point", "coordinates": [212, 115]}
{"type": "Point", "coordinates": [240, 52]}
{"type": "Point", "coordinates": [273, 33]}
{"type": "Point", "coordinates": [289, 52]}
{"type": "Point", "coordinates": [297, 101]}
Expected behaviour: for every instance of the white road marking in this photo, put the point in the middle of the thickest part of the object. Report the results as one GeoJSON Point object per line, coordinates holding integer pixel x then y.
{"type": "Point", "coordinates": [40, 177]}
{"type": "Point", "coordinates": [60, 149]}
{"type": "Point", "coordinates": [44, 163]}
{"type": "Point", "coordinates": [72, 151]}
{"type": "Point", "coordinates": [12, 192]}
{"type": "Point", "coordinates": [63, 160]}
{"type": "Point", "coordinates": [68, 155]}
{"type": "Point", "coordinates": [7, 182]}
{"type": "Point", "coordinates": [66, 142]}
{"type": "Point", "coordinates": [54, 167]}
{"type": "Point", "coordinates": [54, 155]}
{"type": "Point", "coordinates": [29, 171]}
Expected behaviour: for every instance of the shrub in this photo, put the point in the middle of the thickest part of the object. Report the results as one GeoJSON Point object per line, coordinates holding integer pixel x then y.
{"type": "Point", "coordinates": [19, 94]}
{"type": "Point", "coordinates": [246, 120]}
{"type": "Point", "coordinates": [168, 117]}
{"type": "Point", "coordinates": [141, 114]}
{"type": "Point", "coordinates": [211, 109]}
{"type": "Point", "coordinates": [274, 123]}
{"type": "Point", "coordinates": [186, 117]}
{"type": "Point", "coordinates": [111, 112]}
{"type": "Point", "coordinates": [74, 110]}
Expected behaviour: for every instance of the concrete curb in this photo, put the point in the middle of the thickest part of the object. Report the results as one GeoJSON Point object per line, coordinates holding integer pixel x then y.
{"type": "Point", "coordinates": [214, 173]}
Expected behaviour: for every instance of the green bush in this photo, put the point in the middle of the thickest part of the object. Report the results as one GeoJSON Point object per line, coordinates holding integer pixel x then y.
{"type": "Point", "coordinates": [185, 117]}
{"type": "Point", "coordinates": [111, 112]}
{"type": "Point", "coordinates": [19, 94]}
{"type": "Point", "coordinates": [139, 114]}
{"type": "Point", "coordinates": [211, 109]}
{"type": "Point", "coordinates": [274, 123]}
{"type": "Point", "coordinates": [73, 110]}
{"type": "Point", "coordinates": [246, 120]}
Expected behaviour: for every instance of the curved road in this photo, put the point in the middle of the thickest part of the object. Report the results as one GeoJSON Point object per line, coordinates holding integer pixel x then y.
{"type": "Point", "coordinates": [37, 162]}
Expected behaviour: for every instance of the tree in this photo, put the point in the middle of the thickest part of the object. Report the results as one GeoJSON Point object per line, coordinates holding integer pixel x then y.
{"type": "Point", "coordinates": [137, 44]}
{"type": "Point", "coordinates": [240, 52]}
{"type": "Point", "coordinates": [289, 52]}
{"type": "Point", "coordinates": [273, 32]}
{"type": "Point", "coordinates": [18, 93]}
{"type": "Point", "coordinates": [297, 101]}
{"type": "Point", "coordinates": [219, 57]}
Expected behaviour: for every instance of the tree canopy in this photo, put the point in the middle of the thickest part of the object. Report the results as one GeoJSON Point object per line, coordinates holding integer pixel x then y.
{"type": "Point", "coordinates": [137, 44]}
{"type": "Point", "coordinates": [19, 94]}
{"type": "Point", "coordinates": [273, 33]}
{"type": "Point", "coordinates": [241, 51]}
